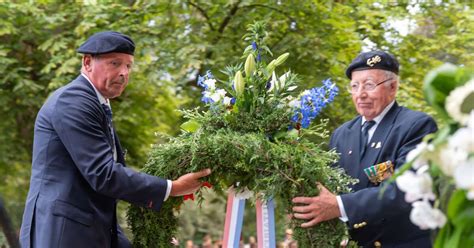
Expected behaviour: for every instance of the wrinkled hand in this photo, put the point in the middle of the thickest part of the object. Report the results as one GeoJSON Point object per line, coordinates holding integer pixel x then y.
{"type": "Point", "coordinates": [316, 209]}
{"type": "Point", "coordinates": [188, 183]}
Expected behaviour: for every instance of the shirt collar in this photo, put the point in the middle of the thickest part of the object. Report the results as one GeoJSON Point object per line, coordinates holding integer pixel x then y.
{"type": "Point", "coordinates": [101, 98]}
{"type": "Point", "coordinates": [379, 117]}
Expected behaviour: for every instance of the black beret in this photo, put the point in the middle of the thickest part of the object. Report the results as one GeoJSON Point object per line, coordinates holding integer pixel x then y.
{"type": "Point", "coordinates": [107, 42]}
{"type": "Point", "coordinates": [373, 60]}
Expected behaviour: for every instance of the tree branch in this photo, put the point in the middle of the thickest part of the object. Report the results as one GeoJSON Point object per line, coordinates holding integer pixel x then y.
{"type": "Point", "coordinates": [270, 7]}
{"type": "Point", "coordinates": [203, 13]}
{"type": "Point", "coordinates": [7, 227]}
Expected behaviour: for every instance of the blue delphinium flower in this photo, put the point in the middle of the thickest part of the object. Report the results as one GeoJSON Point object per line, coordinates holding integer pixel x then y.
{"type": "Point", "coordinates": [254, 45]}
{"type": "Point", "coordinates": [255, 48]}
{"type": "Point", "coordinates": [313, 101]}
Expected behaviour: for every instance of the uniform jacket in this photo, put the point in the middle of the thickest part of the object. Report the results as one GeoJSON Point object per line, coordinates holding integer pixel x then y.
{"type": "Point", "coordinates": [373, 218]}
{"type": "Point", "coordinates": [75, 182]}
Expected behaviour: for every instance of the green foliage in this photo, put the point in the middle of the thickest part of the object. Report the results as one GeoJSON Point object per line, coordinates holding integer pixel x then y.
{"type": "Point", "coordinates": [247, 146]}
{"type": "Point", "coordinates": [282, 170]}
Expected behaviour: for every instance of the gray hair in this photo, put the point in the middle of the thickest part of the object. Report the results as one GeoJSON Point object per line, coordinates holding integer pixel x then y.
{"type": "Point", "coordinates": [396, 78]}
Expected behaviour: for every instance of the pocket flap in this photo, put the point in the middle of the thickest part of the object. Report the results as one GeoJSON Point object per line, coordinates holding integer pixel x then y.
{"type": "Point", "coordinates": [72, 212]}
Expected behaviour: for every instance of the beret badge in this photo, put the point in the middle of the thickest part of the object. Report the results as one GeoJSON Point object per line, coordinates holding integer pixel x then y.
{"type": "Point", "coordinates": [374, 60]}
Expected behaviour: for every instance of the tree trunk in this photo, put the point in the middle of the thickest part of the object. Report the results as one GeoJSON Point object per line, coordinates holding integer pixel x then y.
{"type": "Point", "coordinates": [7, 227]}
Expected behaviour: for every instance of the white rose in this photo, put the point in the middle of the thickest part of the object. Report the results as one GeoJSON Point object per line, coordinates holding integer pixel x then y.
{"type": "Point", "coordinates": [426, 217]}
{"type": "Point", "coordinates": [416, 185]}
{"type": "Point", "coordinates": [464, 177]}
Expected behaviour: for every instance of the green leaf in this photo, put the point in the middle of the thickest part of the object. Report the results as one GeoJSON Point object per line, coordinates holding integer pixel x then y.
{"type": "Point", "coordinates": [456, 203]}
{"type": "Point", "coordinates": [190, 126]}
{"type": "Point", "coordinates": [465, 218]}
{"type": "Point", "coordinates": [437, 85]}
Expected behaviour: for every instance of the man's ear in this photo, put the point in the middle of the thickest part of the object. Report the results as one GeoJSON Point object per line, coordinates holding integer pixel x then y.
{"type": "Point", "coordinates": [394, 87]}
{"type": "Point", "coordinates": [87, 62]}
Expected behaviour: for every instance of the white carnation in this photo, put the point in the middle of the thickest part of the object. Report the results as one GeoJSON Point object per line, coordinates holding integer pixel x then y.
{"type": "Point", "coordinates": [416, 185]}
{"type": "Point", "coordinates": [426, 217]}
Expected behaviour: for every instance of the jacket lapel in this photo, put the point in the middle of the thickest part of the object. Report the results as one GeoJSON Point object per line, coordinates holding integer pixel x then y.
{"type": "Point", "coordinates": [105, 124]}
{"type": "Point", "coordinates": [352, 154]}
{"type": "Point", "coordinates": [377, 143]}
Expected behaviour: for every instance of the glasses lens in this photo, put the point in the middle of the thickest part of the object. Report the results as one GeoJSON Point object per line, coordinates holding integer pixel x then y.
{"type": "Point", "coordinates": [369, 86]}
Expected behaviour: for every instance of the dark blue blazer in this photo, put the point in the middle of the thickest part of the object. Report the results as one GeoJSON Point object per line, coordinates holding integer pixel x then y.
{"type": "Point", "coordinates": [75, 182]}
{"type": "Point", "coordinates": [374, 217]}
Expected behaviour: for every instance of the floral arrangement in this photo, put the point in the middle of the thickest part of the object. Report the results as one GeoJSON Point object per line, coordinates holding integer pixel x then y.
{"type": "Point", "coordinates": [254, 136]}
{"type": "Point", "coordinates": [441, 169]}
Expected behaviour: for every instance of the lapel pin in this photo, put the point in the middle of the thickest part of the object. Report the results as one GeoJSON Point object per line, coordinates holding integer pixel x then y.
{"type": "Point", "coordinates": [350, 152]}
{"type": "Point", "coordinates": [379, 144]}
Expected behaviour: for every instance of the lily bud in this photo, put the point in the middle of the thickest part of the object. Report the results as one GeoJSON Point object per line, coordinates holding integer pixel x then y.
{"type": "Point", "coordinates": [271, 67]}
{"type": "Point", "coordinates": [249, 65]}
{"type": "Point", "coordinates": [281, 59]}
{"type": "Point", "coordinates": [239, 83]}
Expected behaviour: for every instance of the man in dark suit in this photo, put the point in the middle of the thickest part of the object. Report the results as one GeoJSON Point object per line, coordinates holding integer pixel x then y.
{"type": "Point", "coordinates": [78, 170]}
{"type": "Point", "coordinates": [370, 147]}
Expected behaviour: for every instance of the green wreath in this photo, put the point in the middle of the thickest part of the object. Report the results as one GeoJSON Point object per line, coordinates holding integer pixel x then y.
{"type": "Point", "coordinates": [257, 139]}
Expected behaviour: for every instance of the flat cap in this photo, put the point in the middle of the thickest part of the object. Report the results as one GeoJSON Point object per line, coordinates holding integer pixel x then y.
{"type": "Point", "coordinates": [107, 42]}
{"type": "Point", "coordinates": [373, 60]}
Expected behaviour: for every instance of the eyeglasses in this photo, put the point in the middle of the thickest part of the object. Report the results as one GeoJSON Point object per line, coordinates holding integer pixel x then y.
{"type": "Point", "coordinates": [369, 86]}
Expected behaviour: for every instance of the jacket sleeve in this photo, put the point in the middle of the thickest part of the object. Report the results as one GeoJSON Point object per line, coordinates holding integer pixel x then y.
{"type": "Point", "coordinates": [79, 123]}
{"type": "Point", "coordinates": [372, 206]}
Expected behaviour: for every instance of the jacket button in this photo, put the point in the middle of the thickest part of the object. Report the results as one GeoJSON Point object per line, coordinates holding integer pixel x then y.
{"type": "Point", "coordinates": [377, 244]}
{"type": "Point", "coordinates": [356, 226]}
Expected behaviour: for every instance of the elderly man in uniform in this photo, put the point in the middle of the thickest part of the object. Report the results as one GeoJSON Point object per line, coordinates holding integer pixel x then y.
{"type": "Point", "coordinates": [370, 147]}
{"type": "Point", "coordinates": [78, 170]}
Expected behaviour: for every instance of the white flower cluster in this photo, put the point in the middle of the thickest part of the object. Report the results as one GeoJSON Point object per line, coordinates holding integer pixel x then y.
{"type": "Point", "coordinates": [454, 158]}
{"type": "Point", "coordinates": [458, 100]}
{"type": "Point", "coordinates": [213, 94]}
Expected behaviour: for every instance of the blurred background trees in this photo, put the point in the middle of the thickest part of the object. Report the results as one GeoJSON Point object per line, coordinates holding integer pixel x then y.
{"type": "Point", "coordinates": [180, 39]}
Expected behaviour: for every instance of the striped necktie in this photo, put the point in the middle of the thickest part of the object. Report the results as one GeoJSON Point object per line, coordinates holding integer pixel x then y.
{"type": "Point", "coordinates": [108, 113]}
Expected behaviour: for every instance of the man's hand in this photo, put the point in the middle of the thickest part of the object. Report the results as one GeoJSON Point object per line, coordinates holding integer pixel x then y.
{"type": "Point", "coordinates": [188, 183]}
{"type": "Point", "coordinates": [316, 209]}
